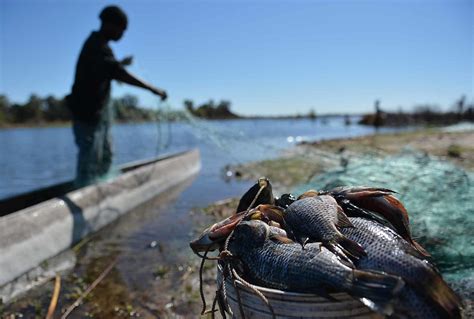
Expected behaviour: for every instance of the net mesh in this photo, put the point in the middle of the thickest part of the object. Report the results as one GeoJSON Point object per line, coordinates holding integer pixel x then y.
{"type": "Point", "coordinates": [437, 194]}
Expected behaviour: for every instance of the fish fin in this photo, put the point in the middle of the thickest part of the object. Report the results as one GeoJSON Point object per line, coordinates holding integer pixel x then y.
{"type": "Point", "coordinates": [300, 240]}
{"type": "Point", "coordinates": [355, 250]}
{"type": "Point", "coordinates": [259, 193]}
{"type": "Point", "coordinates": [340, 253]}
{"type": "Point", "coordinates": [342, 220]}
{"type": "Point", "coordinates": [303, 241]}
{"type": "Point", "coordinates": [362, 191]}
{"type": "Point", "coordinates": [440, 294]}
{"type": "Point", "coordinates": [377, 290]}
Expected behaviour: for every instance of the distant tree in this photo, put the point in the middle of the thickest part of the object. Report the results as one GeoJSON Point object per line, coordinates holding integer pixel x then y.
{"type": "Point", "coordinates": [189, 106]}
{"type": "Point", "coordinates": [55, 109]}
{"type": "Point", "coordinates": [211, 110]}
{"type": "Point", "coordinates": [4, 109]}
{"type": "Point", "coordinates": [32, 111]}
{"type": "Point", "coordinates": [312, 114]}
{"type": "Point", "coordinates": [126, 109]}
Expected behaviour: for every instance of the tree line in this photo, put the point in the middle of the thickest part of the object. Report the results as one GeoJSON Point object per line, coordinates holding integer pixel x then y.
{"type": "Point", "coordinates": [41, 110]}
{"type": "Point", "coordinates": [211, 110]}
{"type": "Point", "coordinates": [44, 110]}
{"type": "Point", "coordinates": [423, 114]}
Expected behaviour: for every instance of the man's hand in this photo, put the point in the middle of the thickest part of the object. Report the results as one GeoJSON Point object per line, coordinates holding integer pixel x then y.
{"type": "Point", "coordinates": [161, 93]}
{"type": "Point", "coordinates": [127, 61]}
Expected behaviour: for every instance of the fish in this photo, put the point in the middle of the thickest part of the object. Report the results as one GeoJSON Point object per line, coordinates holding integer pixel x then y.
{"type": "Point", "coordinates": [319, 219]}
{"type": "Point", "coordinates": [267, 261]}
{"type": "Point", "coordinates": [426, 294]}
{"type": "Point", "coordinates": [375, 202]}
{"type": "Point", "coordinates": [285, 200]}
{"type": "Point", "coordinates": [260, 193]}
{"type": "Point", "coordinates": [214, 236]}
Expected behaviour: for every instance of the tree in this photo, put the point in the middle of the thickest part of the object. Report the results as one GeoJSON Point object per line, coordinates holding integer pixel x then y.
{"type": "Point", "coordinates": [4, 109]}
{"type": "Point", "coordinates": [30, 112]}
{"type": "Point", "coordinates": [55, 109]}
{"type": "Point", "coordinates": [189, 106]}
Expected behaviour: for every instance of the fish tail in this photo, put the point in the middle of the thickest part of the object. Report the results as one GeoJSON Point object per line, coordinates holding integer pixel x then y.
{"type": "Point", "coordinates": [442, 296]}
{"type": "Point", "coordinates": [376, 290]}
{"type": "Point", "coordinates": [353, 249]}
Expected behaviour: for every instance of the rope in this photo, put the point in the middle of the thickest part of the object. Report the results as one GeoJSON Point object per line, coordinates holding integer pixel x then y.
{"type": "Point", "coordinates": [201, 290]}
{"type": "Point", "coordinates": [255, 290]}
{"type": "Point", "coordinates": [225, 256]}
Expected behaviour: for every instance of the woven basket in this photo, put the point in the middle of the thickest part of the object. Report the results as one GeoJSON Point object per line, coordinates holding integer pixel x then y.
{"type": "Point", "coordinates": [289, 304]}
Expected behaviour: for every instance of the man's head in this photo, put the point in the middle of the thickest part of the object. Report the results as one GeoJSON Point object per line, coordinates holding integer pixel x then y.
{"type": "Point", "coordinates": [114, 22]}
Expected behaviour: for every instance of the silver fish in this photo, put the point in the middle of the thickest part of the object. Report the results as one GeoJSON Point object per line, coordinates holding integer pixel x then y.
{"type": "Point", "coordinates": [376, 203]}
{"type": "Point", "coordinates": [319, 219]}
{"type": "Point", "coordinates": [267, 261]}
{"type": "Point", "coordinates": [426, 294]}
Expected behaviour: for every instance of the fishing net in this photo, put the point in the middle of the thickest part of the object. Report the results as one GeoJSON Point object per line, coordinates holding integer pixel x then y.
{"type": "Point", "coordinates": [438, 196]}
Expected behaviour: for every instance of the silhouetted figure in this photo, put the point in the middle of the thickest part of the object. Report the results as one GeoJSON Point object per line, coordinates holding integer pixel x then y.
{"type": "Point", "coordinates": [347, 120]}
{"type": "Point", "coordinates": [378, 118]}
{"type": "Point", "coordinates": [90, 97]}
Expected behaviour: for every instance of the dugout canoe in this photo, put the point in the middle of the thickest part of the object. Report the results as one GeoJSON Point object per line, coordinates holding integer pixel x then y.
{"type": "Point", "coordinates": [37, 226]}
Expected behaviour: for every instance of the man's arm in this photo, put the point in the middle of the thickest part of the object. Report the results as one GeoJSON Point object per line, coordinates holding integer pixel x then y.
{"type": "Point", "coordinates": [129, 78]}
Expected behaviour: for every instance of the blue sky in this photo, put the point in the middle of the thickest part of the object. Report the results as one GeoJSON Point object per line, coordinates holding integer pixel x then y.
{"type": "Point", "coordinates": [267, 57]}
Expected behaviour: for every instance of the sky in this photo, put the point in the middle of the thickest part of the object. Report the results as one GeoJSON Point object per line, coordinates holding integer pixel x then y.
{"type": "Point", "coordinates": [266, 57]}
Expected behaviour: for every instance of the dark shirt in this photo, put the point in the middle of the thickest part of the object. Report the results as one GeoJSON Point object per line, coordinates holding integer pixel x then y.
{"type": "Point", "coordinates": [95, 69]}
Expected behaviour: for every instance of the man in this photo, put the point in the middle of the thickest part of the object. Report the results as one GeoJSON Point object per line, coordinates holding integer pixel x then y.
{"type": "Point", "coordinates": [90, 97]}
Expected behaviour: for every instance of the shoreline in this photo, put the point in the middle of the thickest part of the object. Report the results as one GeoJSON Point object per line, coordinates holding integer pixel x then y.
{"type": "Point", "coordinates": [298, 164]}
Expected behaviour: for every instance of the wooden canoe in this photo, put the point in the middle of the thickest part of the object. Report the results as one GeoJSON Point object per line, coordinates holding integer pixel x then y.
{"type": "Point", "coordinates": [39, 225]}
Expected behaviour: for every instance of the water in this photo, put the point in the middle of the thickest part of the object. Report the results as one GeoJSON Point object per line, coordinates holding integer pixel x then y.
{"type": "Point", "coordinates": [31, 158]}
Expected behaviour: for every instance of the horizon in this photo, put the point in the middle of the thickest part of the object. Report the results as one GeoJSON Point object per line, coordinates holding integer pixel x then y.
{"type": "Point", "coordinates": [266, 58]}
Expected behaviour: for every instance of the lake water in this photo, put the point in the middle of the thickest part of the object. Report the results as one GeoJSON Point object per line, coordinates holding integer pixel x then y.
{"type": "Point", "coordinates": [31, 158]}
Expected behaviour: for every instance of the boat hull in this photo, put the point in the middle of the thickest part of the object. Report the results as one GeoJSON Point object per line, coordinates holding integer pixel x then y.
{"type": "Point", "coordinates": [32, 235]}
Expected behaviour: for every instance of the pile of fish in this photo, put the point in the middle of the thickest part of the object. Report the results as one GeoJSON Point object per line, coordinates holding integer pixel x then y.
{"type": "Point", "coordinates": [355, 240]}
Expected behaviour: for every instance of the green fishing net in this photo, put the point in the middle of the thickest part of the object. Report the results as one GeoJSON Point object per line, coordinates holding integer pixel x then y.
{"type": "Point", "coordinates": [438, 195]}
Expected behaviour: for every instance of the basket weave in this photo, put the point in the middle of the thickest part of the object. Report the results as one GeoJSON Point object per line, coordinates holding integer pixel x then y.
{"type": "Point", "coordinates": [290, 304]}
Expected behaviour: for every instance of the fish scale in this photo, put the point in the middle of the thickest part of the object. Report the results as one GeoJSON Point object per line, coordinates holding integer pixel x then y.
{"type": "Point", "coordinates": [386, 251]}
{"type": "Point", "coordinates": [316, 218]}
{"type": "Point", "coordinates": [292, 268]}
{"type": "Point", "coordinates": [315, 269]}
{"type": "Point", "coordinates": [323, 222]}
{"type": "Point", "coordinates": [426, 295]}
